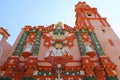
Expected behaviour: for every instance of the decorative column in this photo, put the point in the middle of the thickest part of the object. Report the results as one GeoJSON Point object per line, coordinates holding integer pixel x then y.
{"type": "Point", "coordinates": [86, 62]}
{"type": "Point", "coordinates": [80, 44]}
{"type": "Point", "coordinates": [28, 47]}
{"type": "Point", "coordinates": [107, 66]}
{"type": "Point", "coordinates": [96, 43]}
{"type": "Point", "coordinates": [99, 69]}
{"type": "Point", "coordinates": [32, 61]}
{"type": "Point", "coordinates": [37, 43]}
{"type": "Point", "coordinates": [21, 43]}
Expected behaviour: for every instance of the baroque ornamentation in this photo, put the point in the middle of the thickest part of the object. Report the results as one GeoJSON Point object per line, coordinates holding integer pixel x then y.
{"type": "Point", "coordinates": [58, 41]}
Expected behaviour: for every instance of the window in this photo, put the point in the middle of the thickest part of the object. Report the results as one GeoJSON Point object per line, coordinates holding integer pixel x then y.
{"type": "Point", "coordinates": [89, 14]}
{"type": "Point", "coordinates": [103, 30]}
{"type": "Point", "coordinates": [111, 42]}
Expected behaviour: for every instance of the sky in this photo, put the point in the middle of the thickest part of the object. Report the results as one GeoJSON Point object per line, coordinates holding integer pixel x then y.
{"type": "Point", "coordinates": [15, 14]}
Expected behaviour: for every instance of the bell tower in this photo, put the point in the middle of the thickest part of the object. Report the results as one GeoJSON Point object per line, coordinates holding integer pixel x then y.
{"type": "Point", "coordinates": [87, 16]}
{"type": "Point", "coordinates": [94, 36]}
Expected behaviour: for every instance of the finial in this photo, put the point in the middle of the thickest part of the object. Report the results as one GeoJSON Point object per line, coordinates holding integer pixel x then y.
{"type": "Point", "coordinates": [59, 24]}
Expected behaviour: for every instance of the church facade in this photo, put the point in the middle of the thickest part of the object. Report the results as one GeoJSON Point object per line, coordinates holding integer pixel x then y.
{"type": "Point", "coordinates": [87, 51]}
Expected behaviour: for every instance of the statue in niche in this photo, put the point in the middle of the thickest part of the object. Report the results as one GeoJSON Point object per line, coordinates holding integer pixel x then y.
{"type": "Point", "coordinates": [27, 49]}
{"type": "Point", "coordinates": [89, 50]}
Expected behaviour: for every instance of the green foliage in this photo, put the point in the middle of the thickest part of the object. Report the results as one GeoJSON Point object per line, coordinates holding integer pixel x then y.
{"type": "Point", "coordinates": [80, 43]}
{"type": "Point", "coordinates": [5, 78]}
{"type": "Point", "coordinates": [45, 73]}
{"type": "Point", "coordinates": [96, 43]}
{"type": "Point", "coordinates": [72, 73]}
{"type": "Point", "coordinates": [111, 78]}
{"type": "Point", "coordinates": [89, 78]}
{"type": "Point", "coordinates": [59, 31]}
{"type": "Point", "coordinates": [20, 45]}
{"type": "Point", "coordinates": [37, 43]}
{"type": "Point", "coordinates": [28, 78]}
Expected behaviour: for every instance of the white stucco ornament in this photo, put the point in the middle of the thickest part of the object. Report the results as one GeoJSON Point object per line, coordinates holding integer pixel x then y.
{"type": "Point", "coordinates": [58, 52]}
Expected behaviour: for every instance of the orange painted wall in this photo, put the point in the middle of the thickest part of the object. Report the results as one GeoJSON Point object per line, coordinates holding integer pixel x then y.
{"type": "Point", "coordinates": [111, 51]}
{"type": "Point", "coordinates": [7, 50]}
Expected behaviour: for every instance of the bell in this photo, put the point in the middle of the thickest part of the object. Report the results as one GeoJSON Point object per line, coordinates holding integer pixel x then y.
{"type": "Point", "coordinates": [90, 51]}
